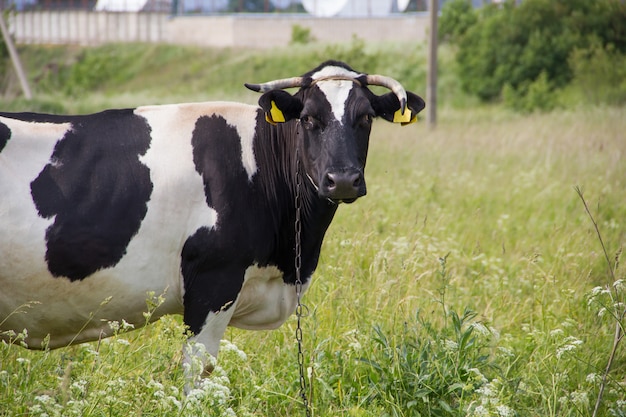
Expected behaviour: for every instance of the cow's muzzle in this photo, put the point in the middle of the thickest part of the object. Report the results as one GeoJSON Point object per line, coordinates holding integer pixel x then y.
{"type": "Point", "coordinates": [343, 185]}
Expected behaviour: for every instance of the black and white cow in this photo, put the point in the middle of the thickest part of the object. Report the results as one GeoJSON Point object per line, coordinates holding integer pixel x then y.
{"type": "Point", "coordinates": [193, 201]}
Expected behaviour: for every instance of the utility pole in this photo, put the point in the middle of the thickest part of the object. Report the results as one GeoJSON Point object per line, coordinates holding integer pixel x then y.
{"type": "Point", "coordinates": [14, 57]}
{"type": "Point", "coordinates": [431, 87]}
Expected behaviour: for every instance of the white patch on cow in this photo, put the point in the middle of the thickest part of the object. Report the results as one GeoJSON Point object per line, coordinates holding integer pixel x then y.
{"type": "Point", "coordinates": [240, 116]}
{"type": "Point", "coordinates": [177, 207]}
{"type": "Point", "coordinates": [23, 269]}
{"type": "Point", "coordinates": [265, 301]}
{"type": "Point", "coordinates": [336, 91]}
{"type": "Point", "coordinates": [246, 129]}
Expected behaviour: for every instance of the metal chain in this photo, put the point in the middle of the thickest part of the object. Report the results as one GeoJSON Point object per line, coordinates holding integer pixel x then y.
{"type": "Point", "coordinates": [300, 308]}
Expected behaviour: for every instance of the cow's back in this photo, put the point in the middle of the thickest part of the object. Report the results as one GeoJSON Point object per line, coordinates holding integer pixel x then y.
{"type": "Point", "coordinates": [94, 213]}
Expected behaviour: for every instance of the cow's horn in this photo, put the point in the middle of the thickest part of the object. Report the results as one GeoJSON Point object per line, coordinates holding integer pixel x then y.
{"type": "Point", "coordinates": [391, 84]}
{"type": "Point", "coordinates": [276, 84]}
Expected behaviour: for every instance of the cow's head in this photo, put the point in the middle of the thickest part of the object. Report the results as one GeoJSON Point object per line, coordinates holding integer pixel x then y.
{"type": "Point", "coordinates": [333, 112]}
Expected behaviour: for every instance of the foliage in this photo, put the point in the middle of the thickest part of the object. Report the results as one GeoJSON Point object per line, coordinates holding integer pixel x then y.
{"type": "Point", "coordinates": [300, 34]}
{"type": "Point", "coordinates": [599, 74]}
{"type": "Point", "coordinates": [530, 96]}
{"type": "Point", "coordinates": [513, 45]}
{"type": "Point", "coordinates": [457, 16]}
{"type": "Point", "coordinates": [429, 371]}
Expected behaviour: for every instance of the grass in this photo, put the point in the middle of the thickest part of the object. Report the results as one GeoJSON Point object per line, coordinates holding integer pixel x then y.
{"type": "Point", "coordinates": [469, 282]}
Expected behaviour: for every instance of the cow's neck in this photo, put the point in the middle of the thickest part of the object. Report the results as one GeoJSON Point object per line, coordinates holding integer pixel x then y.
{"type": "Point", "coordinates": [277, 172]}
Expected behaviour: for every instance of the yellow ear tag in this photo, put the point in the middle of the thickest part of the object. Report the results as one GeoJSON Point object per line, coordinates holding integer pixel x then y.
{"type": "Point", "coordinates": [274, 115]}
{"type": "Point", "coordinates": [405, 118]}
{"type": "Point", "coordinates": [269, 120]}
{"type": "Point", "coordinates": [413, 120]}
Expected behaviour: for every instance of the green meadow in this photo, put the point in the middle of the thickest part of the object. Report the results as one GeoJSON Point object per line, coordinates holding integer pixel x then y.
{"type": "Point", "coordinates": [480, 276]}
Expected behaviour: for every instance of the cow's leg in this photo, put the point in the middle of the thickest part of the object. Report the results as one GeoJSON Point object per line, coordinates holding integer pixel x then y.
{"type": "Point", "coordinates": [209, 304]}
{"type": "Point", "coordinates": [200, 351]}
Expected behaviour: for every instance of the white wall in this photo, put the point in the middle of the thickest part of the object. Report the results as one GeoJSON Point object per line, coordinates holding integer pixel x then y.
{"type": "Point", "coordinates": [258, 31]}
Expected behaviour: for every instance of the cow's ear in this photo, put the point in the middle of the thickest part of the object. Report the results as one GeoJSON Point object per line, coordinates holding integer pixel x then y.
{"type": "Point", "coordinates": [387, 106]}
{"type": "Point", "coordinates": [280, 106]}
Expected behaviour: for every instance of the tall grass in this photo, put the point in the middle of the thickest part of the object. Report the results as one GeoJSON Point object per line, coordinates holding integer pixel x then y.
{"type": "Point", "coordinates": [468, 282]}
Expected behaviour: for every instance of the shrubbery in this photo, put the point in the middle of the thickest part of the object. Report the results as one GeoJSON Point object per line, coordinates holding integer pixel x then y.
{"type": "Point", "coordinates": [526, 52]}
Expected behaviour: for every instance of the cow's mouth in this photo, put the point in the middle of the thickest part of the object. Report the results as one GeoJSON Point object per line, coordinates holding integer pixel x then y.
{"type": "Point", "coordinates": [345, 200]}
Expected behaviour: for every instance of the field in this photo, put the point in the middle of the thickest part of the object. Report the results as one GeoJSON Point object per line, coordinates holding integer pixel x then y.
{"type": "Point", "coordinates": [470, 281]}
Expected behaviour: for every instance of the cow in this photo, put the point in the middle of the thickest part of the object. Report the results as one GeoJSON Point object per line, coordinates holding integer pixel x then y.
{"type": "Point", "coordinates": [193, 201]}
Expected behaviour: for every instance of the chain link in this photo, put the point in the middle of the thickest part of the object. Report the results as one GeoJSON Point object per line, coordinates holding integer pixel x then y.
{"type": "Point", "coordinates": [300, 308]}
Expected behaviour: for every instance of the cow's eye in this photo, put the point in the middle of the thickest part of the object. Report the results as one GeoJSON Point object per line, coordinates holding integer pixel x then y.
{"type": "Point", "coordinates": [309, 122]}
{"type": "Point", "coordinates": [365, 120]}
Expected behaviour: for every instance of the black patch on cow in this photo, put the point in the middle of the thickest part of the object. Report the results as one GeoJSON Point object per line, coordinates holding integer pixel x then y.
{"type": "Point", "coordinates": [96, 189]}
{"type": "Point", "coordinates": [213, 260]}
{"type": "Point", "coordinates": [5, 135]}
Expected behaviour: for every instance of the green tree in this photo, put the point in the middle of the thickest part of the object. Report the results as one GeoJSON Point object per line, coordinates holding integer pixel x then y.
{"type": "Point", "coordinates": [457, 16]}
{"type": "Point", "coordinates": [514, 44]}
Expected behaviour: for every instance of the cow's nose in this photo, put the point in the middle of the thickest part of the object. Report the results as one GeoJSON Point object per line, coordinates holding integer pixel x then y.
{"type": "Point", "coordinates": [345, 185]}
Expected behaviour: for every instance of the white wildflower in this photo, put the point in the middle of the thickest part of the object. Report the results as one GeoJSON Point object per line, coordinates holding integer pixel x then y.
{"type": "Point", "coordinates": [227, 346]}
{"type": "Point", "coordinates": [123, 342]}
{"type": "Point", "coordinates": [580, 399]}
{"type": "Point", "coordinates": [570, 323]}
{"type": "Point", "coordinates": [508, 352]}
{"type": "Point", "coordinates": [10, 333]}
{"type": "Point", "coordinates": [599, 291]}
{"type": "Point", "coordinates": [451, 344]}
{"type": "Point", "coordinates": [155, 385]}
{"type": "Point", "coordinates": [229, 412]}
{"type": "Point", "coordinates": [570, 344]}
{"type": "Point", "coordinates": [125, 326]}
{"type": "Point", "coordinates": [504, 411]}
{"type": "Point", "coordinates": [44, 399]}
{"type": "Point", "coordinates": [481, 329]}
{"type": "Point", "coordinates": [355, 345]}
{"type": "Point", "coordinates": [88, 348]}
{"type": "Point", "coordinates": [114, 325]}
{"type": "Point", "coordinates": [486, 390]}
{"type": "Point", "coordinates": [23, 361]}
{"type": "Point", "coordinates": [481, 411]}
{"type": "Point", "coordinates": [556, 333]}
{"type": "Point", "coordinates": [79, 386]}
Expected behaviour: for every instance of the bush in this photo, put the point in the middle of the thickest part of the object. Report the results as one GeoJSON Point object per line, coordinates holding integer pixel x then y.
{"type": "Point", "coordinates": [514, 44]}
{"type": "Point", "coordinates": [457, 16]}
{"type": "Point", "coordinates": [599, 74]}
{"type": "Point", "coordinates": [536, 95]}
{"type": "Point", "coordinates": [301, 34]}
